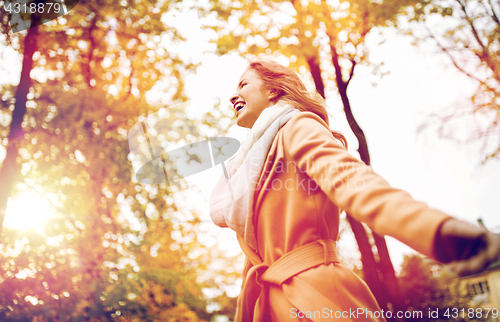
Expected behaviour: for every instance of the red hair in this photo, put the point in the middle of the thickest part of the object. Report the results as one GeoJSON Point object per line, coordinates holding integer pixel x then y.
{"type": "Point", "coordinates": [287, 86]}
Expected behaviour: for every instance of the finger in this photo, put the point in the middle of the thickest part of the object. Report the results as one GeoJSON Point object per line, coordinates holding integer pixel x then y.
{"type": "Point", "coordinates": [470, 266]}
{"type": "Point", "coordinates": [455, 227]}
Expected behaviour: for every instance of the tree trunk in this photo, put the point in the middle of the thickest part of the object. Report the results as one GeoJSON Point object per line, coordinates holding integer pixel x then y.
{"type": "Point", "coordinates": [10, 168]}
{"type": "Point", "coordinates": [368, 259]}
{"type": "Point", "coordinates": [316, 74]}
{"type": "Point", "coordinates": [385, 265]}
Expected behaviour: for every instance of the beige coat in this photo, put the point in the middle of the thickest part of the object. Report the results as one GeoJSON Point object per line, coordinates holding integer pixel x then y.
{"type": "Point", "coordinates": [307, 179]}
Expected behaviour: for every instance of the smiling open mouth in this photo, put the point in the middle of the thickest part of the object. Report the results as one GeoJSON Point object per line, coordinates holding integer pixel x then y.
{"type": "Point", "coordinates": [239, 106]}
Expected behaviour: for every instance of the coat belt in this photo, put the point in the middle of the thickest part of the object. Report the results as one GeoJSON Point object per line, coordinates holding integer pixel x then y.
{"type": "Point", "coordinates": [300, 294]}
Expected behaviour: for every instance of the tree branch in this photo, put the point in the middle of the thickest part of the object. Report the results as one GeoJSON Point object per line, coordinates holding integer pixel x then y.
{"type": "Point", "coordinates": [353, 62]}
{"type": "Point", "coordinates": [455, 63]}
{"type": "Point", "coordinates": [484, 55]}
{"type": "Point", "coordinates": [494, 15]}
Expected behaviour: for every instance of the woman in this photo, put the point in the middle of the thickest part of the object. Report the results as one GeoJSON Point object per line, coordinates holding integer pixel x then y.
{"type": "Point", "coordinates": [284, 192]}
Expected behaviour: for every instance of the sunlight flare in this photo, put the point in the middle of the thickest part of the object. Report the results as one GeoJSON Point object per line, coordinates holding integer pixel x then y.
{"type": "Point", "coordinates": [27, 210]}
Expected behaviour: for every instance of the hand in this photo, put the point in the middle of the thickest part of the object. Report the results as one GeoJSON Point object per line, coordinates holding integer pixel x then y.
{"type": "Point", "coordinates": [468, 248]}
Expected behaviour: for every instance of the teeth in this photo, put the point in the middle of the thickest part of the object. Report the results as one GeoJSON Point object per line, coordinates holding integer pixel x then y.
{"type": "Point", "coordinates": [240, 106]}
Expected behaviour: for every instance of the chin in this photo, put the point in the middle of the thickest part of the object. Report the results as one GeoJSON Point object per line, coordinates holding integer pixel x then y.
{"type": "Point", "coordinates": [243, 125]}
{"type": "Point", "coordinates": [241, 122]}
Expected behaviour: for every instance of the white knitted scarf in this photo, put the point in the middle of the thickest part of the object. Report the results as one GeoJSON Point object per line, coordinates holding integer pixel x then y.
{"type": "Point", "coordinates": [231, 202]}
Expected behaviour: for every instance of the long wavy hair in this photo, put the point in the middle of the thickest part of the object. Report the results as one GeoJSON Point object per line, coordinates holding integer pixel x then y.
{"type": "Point", "coordinates": [288, 87]}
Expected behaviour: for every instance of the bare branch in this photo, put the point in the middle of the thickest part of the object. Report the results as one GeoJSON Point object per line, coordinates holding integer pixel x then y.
{"type": "Point", "coordinates": [494, 15]}
{"type": "Point", "coordinates": [351, 73]}
{"type": "Point", "coordinates": [455, 63]}
{"type": "Point", "coordinates": [484, 55]}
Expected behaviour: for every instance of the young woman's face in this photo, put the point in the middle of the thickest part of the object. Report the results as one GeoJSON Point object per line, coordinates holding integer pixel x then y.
{"type": "Point", "coordinates": [250, 99]}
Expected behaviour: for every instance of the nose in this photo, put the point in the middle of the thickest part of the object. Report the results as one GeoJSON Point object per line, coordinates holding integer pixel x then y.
{"type": "Point", "coordinates": [234, 98]}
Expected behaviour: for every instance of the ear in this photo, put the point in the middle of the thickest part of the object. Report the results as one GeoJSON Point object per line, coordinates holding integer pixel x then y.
{"type": "Point", "coordinates": [273, 94]}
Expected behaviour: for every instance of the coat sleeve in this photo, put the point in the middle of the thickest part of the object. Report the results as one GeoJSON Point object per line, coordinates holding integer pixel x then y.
{"type": "Point", "coordinates": [355, 188]}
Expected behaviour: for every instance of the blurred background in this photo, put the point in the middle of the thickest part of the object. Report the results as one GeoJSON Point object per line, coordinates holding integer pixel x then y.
{"type": "Point", "coordinates": [413, 85]}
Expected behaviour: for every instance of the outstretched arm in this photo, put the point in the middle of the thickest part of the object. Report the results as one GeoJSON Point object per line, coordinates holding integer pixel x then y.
{"type": "Point", "coordinates": [355, 188]}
